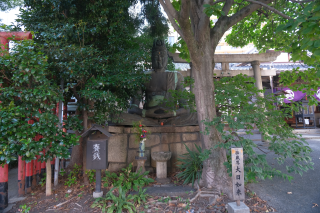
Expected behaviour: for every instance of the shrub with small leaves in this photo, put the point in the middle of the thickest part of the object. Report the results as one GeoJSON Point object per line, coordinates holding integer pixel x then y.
{"type": "Point", "coordinates": [43, 180]}
{"type": "Point", "coordinates": [119, 203]}
{"type": "Point", "coordinates": [73, 175]}
{"type": "Point", "coordinates": [24, 208]}
{"type": "Point", "coordinates": [127, 179]}
{"type": "Point", "coordinates": [91, 175]}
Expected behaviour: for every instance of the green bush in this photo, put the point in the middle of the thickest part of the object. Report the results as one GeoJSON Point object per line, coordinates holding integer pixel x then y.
{"type": "Point", "coordinates": [127, 179]}
{"type": "Point", "coordinates": [91, 175]}
{"type": "Point", "coordinates": [123, 201]}
{"type": "Point", "coordinates": [73, 175]}
{"type": "Point", "coordinates": [192, 164]}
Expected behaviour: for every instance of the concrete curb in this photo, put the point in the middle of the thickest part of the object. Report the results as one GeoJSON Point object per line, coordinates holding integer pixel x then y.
{"type": "Point", "coordinates": [12, 202]}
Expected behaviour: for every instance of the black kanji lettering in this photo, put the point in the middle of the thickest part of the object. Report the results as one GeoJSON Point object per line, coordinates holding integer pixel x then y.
{"type": "Point", "coordinates": [239, 192]}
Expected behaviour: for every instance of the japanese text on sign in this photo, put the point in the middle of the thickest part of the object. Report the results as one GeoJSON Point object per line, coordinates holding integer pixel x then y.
{"type": "Point", "coordinates": [237, 174]}
{"type": "Point", "coordinates": [96, 152]}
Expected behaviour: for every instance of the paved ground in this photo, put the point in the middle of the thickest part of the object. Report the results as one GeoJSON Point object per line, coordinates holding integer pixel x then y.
{"type": "Point", "coordinates": [305, 190]}
{"type": "Point", "coordinates": [13, 183]}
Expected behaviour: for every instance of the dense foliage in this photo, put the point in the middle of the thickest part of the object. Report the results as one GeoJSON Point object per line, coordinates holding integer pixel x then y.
{"type": "Point", "coordinates": [28, 98]}
{"type": "Point", "coordinates": [94, 46]}
{"type": "Point", "coordinates": [305, 46]}
{"type": "Point", "coordinates": [9, 4]}
{"type": "Point", "coordinates": [97, 49]}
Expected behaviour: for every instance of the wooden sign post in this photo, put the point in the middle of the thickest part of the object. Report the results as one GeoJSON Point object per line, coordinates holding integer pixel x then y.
{"type": "Point", "coordinates": [97, 153]}
{"type": "Point", "coordinates": [237, 183]}
{"type": "Point", "coordinates": [237, 175]}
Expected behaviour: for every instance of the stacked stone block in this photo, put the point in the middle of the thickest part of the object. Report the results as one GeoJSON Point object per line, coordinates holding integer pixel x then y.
{"type": "Point", "coordinates": [123, 147]}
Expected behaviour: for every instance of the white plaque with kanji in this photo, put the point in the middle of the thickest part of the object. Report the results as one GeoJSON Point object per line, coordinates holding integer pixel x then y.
{"type": "Point", "coordinates": [237, 174]}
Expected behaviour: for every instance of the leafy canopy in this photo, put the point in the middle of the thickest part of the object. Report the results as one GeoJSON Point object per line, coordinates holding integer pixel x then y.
{"type": "Point", "coordinates": [95, 46]}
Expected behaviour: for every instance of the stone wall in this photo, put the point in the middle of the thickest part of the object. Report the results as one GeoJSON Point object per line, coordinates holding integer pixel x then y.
{"type": "Point", "coordinates": [123, 148]}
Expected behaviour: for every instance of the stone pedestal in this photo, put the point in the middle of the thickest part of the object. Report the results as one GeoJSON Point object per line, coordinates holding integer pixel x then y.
{"type": "Point", "coordinates": [140, 164]}
{"type": "Point", "coordinates": [161, 168]}
{"type": "Point", "coordinates": [161, 159]}
{"type": "Point", "coordinates": [233, 208]}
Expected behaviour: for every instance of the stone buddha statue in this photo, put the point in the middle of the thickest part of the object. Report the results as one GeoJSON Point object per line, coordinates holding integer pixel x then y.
{"type": "Point", "coordinates": [154, 110]}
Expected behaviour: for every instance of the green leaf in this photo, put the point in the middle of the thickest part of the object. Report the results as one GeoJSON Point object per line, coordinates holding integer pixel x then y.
{"type": "Point", "coordinates": [317, 52]}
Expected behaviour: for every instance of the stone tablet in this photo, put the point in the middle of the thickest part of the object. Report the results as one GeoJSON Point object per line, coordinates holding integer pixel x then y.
{"type": "Point", "coordinates": [237, 174]}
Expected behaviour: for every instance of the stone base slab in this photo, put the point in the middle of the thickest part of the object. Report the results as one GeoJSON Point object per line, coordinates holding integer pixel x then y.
{"type": "Point", "coordinates": [233, 208]}
{"type": "Point", "coordinates": [163, 180]}
{"type": "Point", "coordinates": [97, 194]}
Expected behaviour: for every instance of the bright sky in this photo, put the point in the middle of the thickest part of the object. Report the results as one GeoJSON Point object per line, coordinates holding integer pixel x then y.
{"type": "Point", "coordinates": [9, 16]}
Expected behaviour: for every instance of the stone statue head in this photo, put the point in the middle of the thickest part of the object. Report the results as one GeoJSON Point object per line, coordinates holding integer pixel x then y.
{"type": "Point", "coordinates": [159, 55]}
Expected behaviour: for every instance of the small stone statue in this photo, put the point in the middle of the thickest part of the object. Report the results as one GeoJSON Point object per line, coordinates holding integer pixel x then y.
{"type": "Point", "coordinates": [154, 110]}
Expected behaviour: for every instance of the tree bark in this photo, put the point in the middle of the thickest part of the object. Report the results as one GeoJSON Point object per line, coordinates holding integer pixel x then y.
{"type": "Point", "coordinates": [77, 151]}
{"type": "Point", "coordinates": [76, 154]}
{"type": "Point", "coordinates": [214, 172]}
{"type": "Point", "coordinates": [84, 148]}
{"type": "Point", "coordinates": [48, 178]}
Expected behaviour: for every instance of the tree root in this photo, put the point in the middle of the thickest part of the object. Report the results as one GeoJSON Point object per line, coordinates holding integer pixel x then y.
{"type": "Point", "coordinates": [201, 193]}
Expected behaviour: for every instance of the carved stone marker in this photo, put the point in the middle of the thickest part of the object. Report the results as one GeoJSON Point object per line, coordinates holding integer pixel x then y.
{"type": "Point", "coordinates": [238, 183]}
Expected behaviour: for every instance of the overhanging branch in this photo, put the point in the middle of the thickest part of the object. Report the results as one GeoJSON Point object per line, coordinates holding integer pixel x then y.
{"type": "Point", "coordinates": [227, 6]}
{"type": "Point", "coordinates": [270, 8]}
{"type": "Point", "coordinates": [168, 7]}
{"type": "Point", "coordinates": [305, 1]}
{"type": "Point", "coordinates": [172, 15]}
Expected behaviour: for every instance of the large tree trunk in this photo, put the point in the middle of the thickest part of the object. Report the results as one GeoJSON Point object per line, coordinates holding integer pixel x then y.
{"type": "Point", "coordinates": [214, 172]}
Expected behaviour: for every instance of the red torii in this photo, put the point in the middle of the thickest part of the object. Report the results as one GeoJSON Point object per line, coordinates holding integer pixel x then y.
{"type": "Point", "coordinates": [4, 39]}
{"type": "Point", "coordinates": [6, 36]}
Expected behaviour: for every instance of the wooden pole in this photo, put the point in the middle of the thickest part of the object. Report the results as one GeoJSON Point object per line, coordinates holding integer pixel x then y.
{"type": "Point", "coordinates": [56, 168]}
{"type": "Point", "coordinates": [48, 180]}
{"type": "Point", "coordinates": [4, 174]}
{"type": "Point", "coordinates": [21, 176]}
{"type": "Point", "coordinates": [28, 181]}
